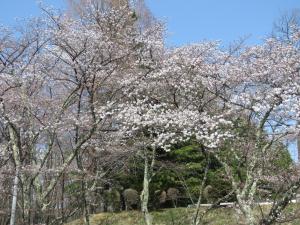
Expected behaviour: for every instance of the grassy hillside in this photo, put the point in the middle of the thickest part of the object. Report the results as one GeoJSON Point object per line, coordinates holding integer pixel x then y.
{"type": "Point", "coordinates": [179, 216]}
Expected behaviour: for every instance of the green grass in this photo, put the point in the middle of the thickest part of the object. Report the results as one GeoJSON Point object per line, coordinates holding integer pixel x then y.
{"type": "Point", "coordinates": [178, 216]}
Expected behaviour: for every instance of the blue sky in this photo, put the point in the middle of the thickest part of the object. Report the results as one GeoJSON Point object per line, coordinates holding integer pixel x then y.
{"type": "Point", "coordinates": [190, 20]}
{"type": "Point", "coordinates": [225, 20]}
{"type": "Point", "coordinates": [12, 9]}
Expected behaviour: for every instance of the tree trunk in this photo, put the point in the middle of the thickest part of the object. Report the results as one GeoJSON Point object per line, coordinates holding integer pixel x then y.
{"type": "Point", "coordinates": [85, 206]}
{"type": "Point", "coordinates": [148, 173]}
{"type": "Point", "coordinates": [14, 199]}
{"type": "Point", "coordinates": [145, 194]}
{"type": "Point", "coordinates": [16, 146]}
{"type": "Point", "coordinates": [62, 205]}
{"type": "Point", "coordinates": [83, 192]}
{"type": "Point", "coordinates": [196, 217]}
{"type": "Point", "coordinates": [245, 205]}
{"type": "Point", "coordinates": [248, 213]}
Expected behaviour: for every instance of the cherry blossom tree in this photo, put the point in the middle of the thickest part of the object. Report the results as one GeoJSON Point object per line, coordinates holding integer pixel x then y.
{"type": "Point", "coordinates": [59, 87]}
{"type": "Point", "coordinates": [263, 85]}
{"type": "Point", "coordinates": [194, 92]}
{"type": "Point", "coordinates": [174, 104]}
{"type": "Point", "coordinates": [74, 87]}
